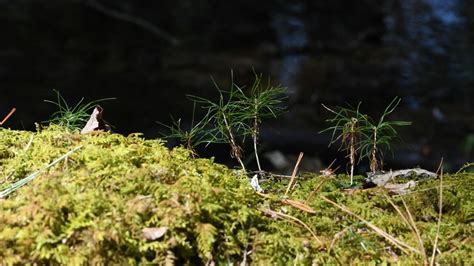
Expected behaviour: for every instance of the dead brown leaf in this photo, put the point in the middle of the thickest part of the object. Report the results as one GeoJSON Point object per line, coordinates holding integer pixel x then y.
{"type": "Point", "coordinates": [95, 121]}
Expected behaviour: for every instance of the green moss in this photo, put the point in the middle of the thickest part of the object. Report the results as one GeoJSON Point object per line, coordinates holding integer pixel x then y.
{"type": "Point", "coordinates": [93, 207]}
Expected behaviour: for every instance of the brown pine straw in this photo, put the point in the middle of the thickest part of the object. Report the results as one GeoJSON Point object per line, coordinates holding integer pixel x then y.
{"type": "Point", "coordinates": [8, 116]}
{"type": "Point", "coordinates": [294, 219]}
{"type": "Point", "coordinates": [411, 223]}
{"type": "Point", "coordinates": [318, 187]}
{"type": "Point", "coordinates": [435, 246]}
{"type": "Point", "coordinates": [294, 203]}
{"type": "Point", "coordinates": [293, 175]}
{"type": "Point", "coordinates": [299, 205]}
{"type": "Point", "coordinates": [398, 243]}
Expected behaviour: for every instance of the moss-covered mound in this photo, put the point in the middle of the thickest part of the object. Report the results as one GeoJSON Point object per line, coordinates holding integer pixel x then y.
{"type": "Point", "coordinates": [93, 208]}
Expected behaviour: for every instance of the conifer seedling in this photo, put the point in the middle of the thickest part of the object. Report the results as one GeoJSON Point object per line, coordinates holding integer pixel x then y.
{"type": "Point", "coordinates": [72, 117]}
{"type": "Point", "coordinates": [347, 128]}
{"type": "Point", "coordinates": [378, 136]}
{"type": "Point", "coordinates": [264, 101]}
{"type": "Point", "coordinates": [190, 137]}
{"type": "Point", "coordinates": [236, 116]}
{"type": "Point", "coordinates": [359, 133]}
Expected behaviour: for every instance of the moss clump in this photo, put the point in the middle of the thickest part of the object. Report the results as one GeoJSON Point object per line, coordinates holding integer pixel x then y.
{"type": "Point", "coordinates": [93, 207]}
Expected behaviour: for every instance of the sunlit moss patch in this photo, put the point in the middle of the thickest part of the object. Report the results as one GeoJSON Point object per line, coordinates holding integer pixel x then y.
{"type": "Point", "coordinates": [92, 208]}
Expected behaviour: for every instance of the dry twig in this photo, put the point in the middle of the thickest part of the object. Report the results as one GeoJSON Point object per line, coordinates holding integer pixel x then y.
{"type": "Point", "coordinates": [435, 246]}
{"type": "Point", "coordinates": [8, 116]}
{"type": "Point", "coordinates": [293, 175]}
{"type": "Point", "coordinates": [398, 243]}
{"type": "Point", "coordinates": [293, 219]}
{"type": "Point", "coordinates": [408, 219]}
{"type": "Point", "coordinates": [318, 187]}
{"type": "Point", "coordinates": [299, 205]}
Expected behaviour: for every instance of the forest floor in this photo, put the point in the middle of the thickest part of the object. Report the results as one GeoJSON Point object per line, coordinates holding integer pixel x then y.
{"type": "Point", "coordinates": [117, 199]}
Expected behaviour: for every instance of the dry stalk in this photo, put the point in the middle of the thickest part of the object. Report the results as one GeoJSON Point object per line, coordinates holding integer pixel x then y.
{"type": "Point", "coordinates": [464, 167]}
{"type": "Point", "coordinates": [435, 246]}
{"type": "Point", "coordinates": [328, 171]}
{"type": "Point", "coordinates": [336, 237]}
{"type": "Point", "coordinates": [299, 205]}
{"type": "Point", "coordinates": [236, 150]}
{"type": "Point", "coordinates": [327, 174]}
{"type": "Point", "coordinates": [425, 189]}
{"type": "Point", "coordinates": [398, 243]}
{"type": "Point", "coordinates": [8, 116]}
{"type": "Point", "coordinates": [255, 133]}
{"type": "Point", "coordinates": [352, 149]}
{"type": "Point", "coordinates": [417, 232]}
{"type": "Point", "coordinates": [374, 165]}
{"type": "Point", "coordinates": [293, 219]}
{"type": "Point", "coordinates": [293, 175]}
{"type": "Point", "coordinates": [318, 187]}
{"type": "Point", "coordinates": [294, 203]}
{"type": "Point", "coordinates": [28, 145]}
{"type": "Point", "coordinates": [411, 223]}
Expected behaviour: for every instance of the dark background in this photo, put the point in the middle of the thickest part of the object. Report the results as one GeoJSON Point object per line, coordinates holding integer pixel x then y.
{"type": "Point", "coordinates": [150, 54]}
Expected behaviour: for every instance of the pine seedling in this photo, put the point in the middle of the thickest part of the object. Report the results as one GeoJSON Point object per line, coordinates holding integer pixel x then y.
{"type": "Point", "coordinates": [347, 129]}
{"type": "Point", "coordinates": [379, 135]}
{"type": "Point", "coordinates": [226, 119]}
{"type": "Point", "coordinates": [264, 101]}
{"type": "Point", "coordinates": [72, 117]}
{"type": "Point", "coordinates": [191, 137]}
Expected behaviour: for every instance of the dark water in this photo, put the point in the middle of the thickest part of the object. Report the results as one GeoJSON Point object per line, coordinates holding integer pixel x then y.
{"type": "Point", "coordinates": [150, 54]}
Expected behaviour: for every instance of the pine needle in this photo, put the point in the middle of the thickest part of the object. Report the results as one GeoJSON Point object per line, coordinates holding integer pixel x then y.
{"type": "Point", "coordinates": [398, 243]}
{"type": "Point", "coordinates": [30, 177]}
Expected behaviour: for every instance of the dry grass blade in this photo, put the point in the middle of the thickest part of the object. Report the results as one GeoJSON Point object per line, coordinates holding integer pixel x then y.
{"type": "Point", "coordinates": [435, 246]}
{"type": "Point", "coordinates": [299, 205]}
{"type": "Point", "coordinates": [411, 223]}
{"type": "Point", "coordinates": [318, 187]}
{"type": "Point", "coordinates": [399, 244]}
{"type": "Point", "coordinates": [293, 219]}
{"type": "Point", "coordinates": [8, 116]}
{"type": "Point", "coordinates": [464, 167]}
{"type": "Point", "coordinates": [13, 187]}
{"type": "Point", "coordinates": [417, 232]}
{"type": "Point", "coordinates": [336, 237]}
{"type": "Point", "coordinates": [293, 175]}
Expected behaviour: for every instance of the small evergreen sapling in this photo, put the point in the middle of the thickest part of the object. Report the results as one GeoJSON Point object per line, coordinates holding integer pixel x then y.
{"type": "Point", "coordinates": [264, 101]}
{"type": "Point", "coordinates": [190, 137]}
{"type": "Point", "coordinates": [72, 117]}
{"type": "Point", "coordinates": [359, 133]}
{"type": "Point", "coordinates": [379, 135]}
{"type": "Point", "coordinates": [348, 130]}
{"type": "Point", "coordinates": [225, 120]}
{"type": "Point", "coordinates": [232, 118]}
